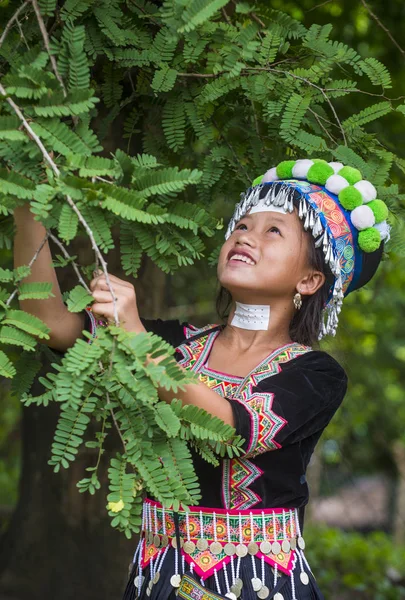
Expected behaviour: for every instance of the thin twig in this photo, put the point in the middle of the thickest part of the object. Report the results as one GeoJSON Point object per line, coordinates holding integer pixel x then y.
{"type": "Point", "coordinates": [383, 27]}
{"type": "Point", "coordinates": [47, 45]}
{"type": "Point", "coordinates": [328, 100]}
{"type": "Point", "coordinates": [319, 5]}
{"type": "Point", "coordinates": [22, 36]}
{"type": "Point", "coordinates": [33, 259]}
{"type": "Point", "coordinates": [66, 254]}
{"type": "Point", "coordinates": [205, 75]}
{"type": "Point", "coordinates": [256, 18]}
{"type": "Point", "coordinates": [226, 17]}
{"type": "Point", "coordinates": [321, 125]}
{"type": "Point", "coordinates": [11, 21]}
{"type": "Point", "coordinates": [71, 203]}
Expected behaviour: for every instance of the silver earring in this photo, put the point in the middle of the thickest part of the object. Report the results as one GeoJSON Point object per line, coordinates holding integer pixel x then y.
{"type": "Point", "coordinates": [297, 300]}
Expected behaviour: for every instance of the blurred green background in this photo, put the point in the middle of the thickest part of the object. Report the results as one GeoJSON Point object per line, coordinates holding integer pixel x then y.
{"type": "Point", "coordinates": [357, 475]}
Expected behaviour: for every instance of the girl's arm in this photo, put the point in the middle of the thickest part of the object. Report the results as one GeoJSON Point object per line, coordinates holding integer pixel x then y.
{"type": "Point", "coordinates": [65, 327]}
{"type": "Point", "coordinates": [197, 394]}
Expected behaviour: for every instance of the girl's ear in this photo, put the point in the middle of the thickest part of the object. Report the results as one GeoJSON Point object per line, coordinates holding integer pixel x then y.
{"type": "Point", "coordinates": [311, 283]}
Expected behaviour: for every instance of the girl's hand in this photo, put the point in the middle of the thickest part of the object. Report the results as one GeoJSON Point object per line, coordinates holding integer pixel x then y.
{"type": "Point", "coordinates": [124, 293]}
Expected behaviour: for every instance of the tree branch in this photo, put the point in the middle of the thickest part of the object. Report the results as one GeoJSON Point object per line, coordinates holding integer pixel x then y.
{"type": "Point", "coordinates": [66, 254]}
{"type": "Point", "coordinates": [383, 27]}
{"type": "Point", "coordinates": [33, 259]}
{"type": "Point", "coordinates": [47, 46]}
{"type": "Point", "coordinates": [71, 203]}
{"type": "Point", "coordinates": [11, 21]}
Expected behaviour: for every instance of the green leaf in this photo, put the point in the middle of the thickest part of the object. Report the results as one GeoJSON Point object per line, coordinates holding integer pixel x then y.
{"type": "Point", "coordinates": [7, 369]}
{"type": "Point", "coordinates": [35, 291]}
{"type": "Point", "coordinates": [27, 322]}
{"type": "Point", "coordinates": [78, 299]}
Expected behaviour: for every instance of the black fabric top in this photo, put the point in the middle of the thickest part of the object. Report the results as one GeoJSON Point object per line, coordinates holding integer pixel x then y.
{"type": "Point", "coordinates": [281, 411]}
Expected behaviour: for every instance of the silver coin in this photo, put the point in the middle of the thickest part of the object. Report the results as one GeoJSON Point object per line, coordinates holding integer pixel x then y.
{"type": "Point", "coordinates": [174, 542]}
{"type": "Point", "coordinates": [202, 544]}
{"type": "Point", "coordinates": [276, 547]}
{"type": "Point", "coordinates": [231, 595]}
{"type": "Point", "coordinates": [147, 591]}
{"type": "Point", "coordinates": [301, 542]}
{"type": "Point", "coordinates": [156, 541]}
{"type": "Point", "coordinates": [164, 540]}
{"type": "Point", "coordinates": [230, 549]}
{"type": "Point", "coordinates": [189, 547]}
{"type": "Point", "coordinates": [175, 580]}
{"type": "Point", "coordinates": [138, 581]}
{"type": "Point", "coordinates": [278, 596]}
{"type": "Point", "coordinates": [263, 593]}
{"type": "Point", "coordinates": [149, 538]}
{"type": "Point", "coordinates": [253, 548]}
{"type": "Point", "coordinates": [265, 547]}
{"type": "Point", "coordinates": [216, 548]}
{"type": "Point", "coordinates": [285, 546]}
{"type": "Point", "coordinates": [241, 550]}
{"type": "Point", "coordinates": [236, 590]}
{"type": "Point", "coordinates": [304, 578]}
{"type": "Point", "coordinates": [256, 584]}
{"type": "Point", "coordinates": [293, 543]}
{"type": "Point", "coordinates": [238, 583]}
{"type": "Point", "coordinates": [156, 578]}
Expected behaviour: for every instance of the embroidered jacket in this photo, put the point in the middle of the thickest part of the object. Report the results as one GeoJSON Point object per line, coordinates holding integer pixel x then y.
{"type": "Point", "coordinates": [281, 409]}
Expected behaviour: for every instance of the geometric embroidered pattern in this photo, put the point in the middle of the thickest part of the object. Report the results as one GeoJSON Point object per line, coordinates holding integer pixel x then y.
{"type": "Point", "coordinates": [218, 525]}
{"type": "Point", "coordinates": [239, 474]}
{"type": "Point", "coordinates": [265, 423]}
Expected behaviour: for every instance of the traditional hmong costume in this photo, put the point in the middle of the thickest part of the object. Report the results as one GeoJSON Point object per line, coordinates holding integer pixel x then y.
{"type": "Point", "coordinates": [246, 538]}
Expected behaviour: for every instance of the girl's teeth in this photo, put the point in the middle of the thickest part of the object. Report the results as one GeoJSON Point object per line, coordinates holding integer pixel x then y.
{"type": "Point", "coordinates": [243, 259]}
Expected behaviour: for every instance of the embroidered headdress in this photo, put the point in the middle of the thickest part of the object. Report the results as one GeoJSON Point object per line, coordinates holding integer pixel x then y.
{"type": "Point", "coordinates": [341, 210]}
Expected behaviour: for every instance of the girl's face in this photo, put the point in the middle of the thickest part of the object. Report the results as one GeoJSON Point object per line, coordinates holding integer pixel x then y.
{"type": "Point", "coordinates": [274, 249]}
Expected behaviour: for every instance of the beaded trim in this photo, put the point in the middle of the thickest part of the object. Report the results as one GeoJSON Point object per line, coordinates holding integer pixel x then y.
{"type": "Point", "coordinates": [210, 538]}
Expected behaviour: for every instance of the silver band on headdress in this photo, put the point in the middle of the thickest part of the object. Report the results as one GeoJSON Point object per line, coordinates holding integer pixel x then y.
{"type": "Point", "coordinates": [282, 195]}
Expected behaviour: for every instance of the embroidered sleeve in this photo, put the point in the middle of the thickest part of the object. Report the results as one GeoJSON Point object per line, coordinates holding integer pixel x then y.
{"type": "Point", "coordinates": [290, 406]}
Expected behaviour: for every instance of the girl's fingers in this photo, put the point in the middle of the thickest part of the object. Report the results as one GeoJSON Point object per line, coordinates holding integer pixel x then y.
{"type": "Point", "coordinates": [101, 283]}
{"type": "Point", "coordinates": [103, 296]}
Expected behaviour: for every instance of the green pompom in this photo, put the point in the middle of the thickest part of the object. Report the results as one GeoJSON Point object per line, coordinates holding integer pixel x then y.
{"type": "Point", "coordinates": [380, 210]}
{"type": "Point", "coordinates": [319, 173]}
{"type": "Point", "coordinates": [284, 169]}
{"type": "Point", "coordinates": [257, 181]}
{"type": "Point", "coordinates": [369, 239]}
{"type": "Point", "coordinates": [319, 160]}
{"type": "Point", "coordinates": [350, 198]}
{"type": "Point", "coordinates": [351, 174]}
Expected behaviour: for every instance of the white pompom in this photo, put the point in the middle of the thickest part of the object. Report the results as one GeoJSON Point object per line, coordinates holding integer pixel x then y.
{"type": "Point", "coordinates": [270, 175]}
{"type": "Point", "coordinates": [362, 217]}
{"type": "Point", "coordinates": [367, 190]}
{"type": "Point", "coordinates": [301, 168]}
{"type": "Point", "coordinates": [336, 183]}
{"type": "Point", "coordinates": [384, 230]}
{"type": "Point", "coordinates": [336, 166]}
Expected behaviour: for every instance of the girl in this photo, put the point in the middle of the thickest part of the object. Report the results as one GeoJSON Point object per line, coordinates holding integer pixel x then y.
{"type": "Point", "coordinates": [302, 237]}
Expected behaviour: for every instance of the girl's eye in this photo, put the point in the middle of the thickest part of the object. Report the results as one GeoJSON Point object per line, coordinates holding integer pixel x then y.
{"type": "Point", "coordinates": [241, 225]}
{"type": "Point", "coordinates": [275, 229]}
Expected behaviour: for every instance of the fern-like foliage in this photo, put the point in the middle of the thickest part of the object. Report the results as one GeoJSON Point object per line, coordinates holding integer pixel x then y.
{"type": "Point", "coordinates": [154, 115]}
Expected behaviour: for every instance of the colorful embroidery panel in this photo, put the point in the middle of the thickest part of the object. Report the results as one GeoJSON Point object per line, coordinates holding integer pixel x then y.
{"type": "Point", "coordinates": [222, 528]}
{"type": "Point", "coordinates": [240, 473]}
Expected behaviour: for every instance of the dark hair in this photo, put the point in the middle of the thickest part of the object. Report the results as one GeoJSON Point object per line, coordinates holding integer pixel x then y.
{"type": "Point", "coordinates": [304, 326]}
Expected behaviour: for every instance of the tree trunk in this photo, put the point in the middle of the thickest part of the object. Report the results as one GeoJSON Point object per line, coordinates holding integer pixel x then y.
{"type": "Point", "coordinates": [59, 543]}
